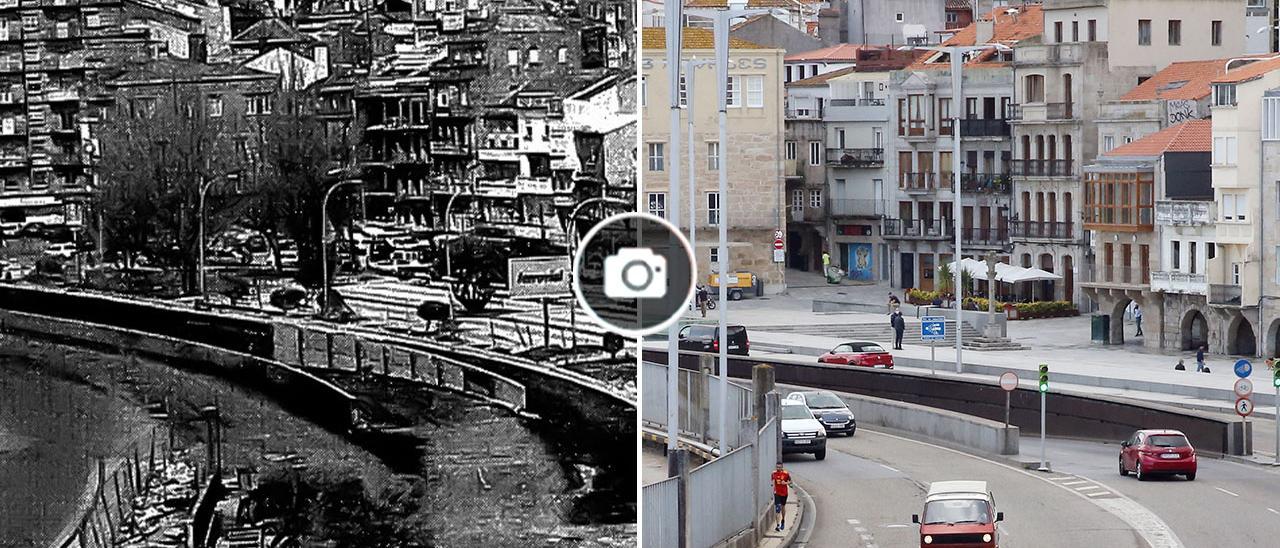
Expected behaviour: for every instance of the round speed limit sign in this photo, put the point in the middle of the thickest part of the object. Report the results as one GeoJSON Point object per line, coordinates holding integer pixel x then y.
{"type": "Point", "coordinates": [1244, 407]}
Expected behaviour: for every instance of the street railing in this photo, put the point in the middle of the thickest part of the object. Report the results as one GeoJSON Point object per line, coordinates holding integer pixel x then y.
{"type": "Point", "coordinates": [726, 495]}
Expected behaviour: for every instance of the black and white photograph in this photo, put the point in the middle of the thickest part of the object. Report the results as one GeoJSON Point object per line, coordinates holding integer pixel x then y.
{"type": "Point", "coordinates": [299, 273]}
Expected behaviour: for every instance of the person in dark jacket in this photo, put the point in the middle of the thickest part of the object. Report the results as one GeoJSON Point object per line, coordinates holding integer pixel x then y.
{"type": "Point", "coordinates": [899, 325]}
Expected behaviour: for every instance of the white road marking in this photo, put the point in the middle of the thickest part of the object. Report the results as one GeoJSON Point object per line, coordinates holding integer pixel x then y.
{"type": "Point", "coordinates": [901, 526]}
{"type": "Point", "coordinates": [866, 538]}
{"type": "Point", "coordinates": [1088, 488]}
{"type": "Point", "coordinates": [853, 522]}
{"type": "Point", "coordinates": [860, 529]}
{"type": "Point", "coordinates": [1273, 510]}
{"type": "Point", "coordinates": [1226, 491]}
{"type": "Point", "coordinates": [1072, 482]}
{"type": "Point", "coordinates": [1064, 478]}
{"type": "Point", "coordinates": [1147, 524]}
{"type": "Point", "coordinates": [891, 469]}
{"type": "Point", "coordinates": [1098, 494]}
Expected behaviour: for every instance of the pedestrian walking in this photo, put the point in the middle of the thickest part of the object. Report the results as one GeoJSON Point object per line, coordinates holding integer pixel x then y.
{"type": "Point", "coordinates": [894, 303]}
{"type": "Point", "coordinates": [1137, 318]}
{"type": "Point", "coordinates": [899, 325]}
{"type": "Point", "coordinates": [1200, 359]}
{"type": "Point", "coordinates": [702, 298]}
{"type": "Point", "coordinates": [781, 481]}
{"type": "Point", "coordinates": [826, 261]}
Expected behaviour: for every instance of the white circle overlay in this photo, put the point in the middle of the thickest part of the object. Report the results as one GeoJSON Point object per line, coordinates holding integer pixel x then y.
{"type": "Point", "coordinates": [684, 244]}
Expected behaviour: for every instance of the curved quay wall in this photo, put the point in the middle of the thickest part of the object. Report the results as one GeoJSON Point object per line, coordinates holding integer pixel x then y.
{"type": "Point", "coordinates": [1069, 415]}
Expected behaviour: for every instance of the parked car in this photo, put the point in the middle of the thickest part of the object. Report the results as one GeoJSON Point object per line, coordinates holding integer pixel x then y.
{"type": "Point", "coordinates": [65, 250]}
{"type": "Point", "coordinates": [801, 432]}
{"type": "Point", "coordinates": [11, 270]}
{"type": "Point", "coordinates": [46, 232]}
{"type": "Point", "coordinates": [861, 353]}
{"type": "Point", "coordinates": [228, 256]}
{"type": "Point", "coordinates": [959, 513]}
{"type": "Point", "coordinates": [1149, 452]}
{"type": "Point", "coordinates": [706, 338]}
{"type": "Point", "coordinates": [830, 410]}
{"type": "Point", "coordinates": [404, 264]}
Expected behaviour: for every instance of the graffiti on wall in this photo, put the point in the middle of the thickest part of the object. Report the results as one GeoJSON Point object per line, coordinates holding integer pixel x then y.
{"type": "Point", "coordinates": [1181, 110]}
{"type": "Point", "coordinates": [860, 263]}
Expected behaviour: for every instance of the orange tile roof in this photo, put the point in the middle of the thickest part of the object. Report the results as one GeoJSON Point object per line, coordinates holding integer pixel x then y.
{"type": "Point", "coordinates": [838, 52]}
{"type": "Point", "coordinates": [694, 38]}
{"type": "Point", "coordinates": [750, 3]}
{"type": "Point", "coordinates": [1179, 80]}
{"type": "Point", "coordinates": [1248, 72]}
{"type": "Point", "coordinates": [1190, 136]}
{"type": "Point", "coordinates": [821, 79]}
{"type": "Point", "coordinates": [1009, 29]}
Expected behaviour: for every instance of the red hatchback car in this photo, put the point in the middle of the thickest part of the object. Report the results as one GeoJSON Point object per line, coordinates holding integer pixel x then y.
{"type": "Point", "coordinates": [1149, 452]}
{"type": "Point", "coordinates": [862, 353]}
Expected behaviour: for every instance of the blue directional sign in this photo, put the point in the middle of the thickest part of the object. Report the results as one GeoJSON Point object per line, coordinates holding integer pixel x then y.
{"type": "Point", "coordinates": [933, 328]}
{"type": "Point", "coordinates": [1243, 368]}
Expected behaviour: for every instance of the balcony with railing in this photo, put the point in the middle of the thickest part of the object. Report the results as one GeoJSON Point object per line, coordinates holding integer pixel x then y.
{"type": "Point", "coordinates": [1041, 168]}
{"type": "Point", "coordinates": [988, 236]}
{"type": "Point", "coordinates": [804, 113]}
{"type": "Point", "coordinates": [855, 157]}
{"type": "Point", "coordinates": [855, 207]}
{"type": "Point", "coordinates": [978, 127]}
{"type": "Point", "coordinates": [1179, 282]}
{"type": "Point", "coordinates": [1049, 54]}
{"type": "Point", "coordinates": [858, 102]}
{"type": "Point", "coordinates": [1224, 294]}
{"type": "Point", "coordinates": [986, 183]}
{"type": "Point", "coordinates": [1184, 213]}
{"type": "Point", "coordinates": [917, 228]}
{"type": "Point", "coordinates": [1041, 230]}
{"type": "Point", "coordinates": [806, 214]}
{"type": "Point", "coordinates": [918, 182]}
{"type": "Point", "coordinates": [1117, 275]}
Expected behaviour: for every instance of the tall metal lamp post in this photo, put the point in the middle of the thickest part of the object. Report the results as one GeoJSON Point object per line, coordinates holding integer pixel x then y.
{"type": "Point", "coordinates": [722, 17]}
{"type": "Point", "coordinates": [957, 53]}
{"type": "Point", "coordinates": [324, 244]}
{"type": "Point", "coordinates": [204, 189]}
{"type": "Point", "coordinates": [448, 251]}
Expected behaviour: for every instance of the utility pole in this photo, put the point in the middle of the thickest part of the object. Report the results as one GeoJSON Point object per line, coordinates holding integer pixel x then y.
{"type": "Point", "coordinates": [674, 27]}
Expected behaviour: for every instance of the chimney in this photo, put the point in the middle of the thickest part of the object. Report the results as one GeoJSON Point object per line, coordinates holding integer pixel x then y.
{"type": "Point", "coordinates": [198, 48]}
{"type": "Point", "coordinates": [986, 28]}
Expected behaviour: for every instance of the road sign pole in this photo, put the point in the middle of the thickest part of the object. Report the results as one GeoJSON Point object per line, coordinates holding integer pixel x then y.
{"type": "Point", "coordinates": [933, 360]}
{"type": "Point", "coordinates": [1043, 467]}
{"type": "Point", "coordinates": [1006, 410]}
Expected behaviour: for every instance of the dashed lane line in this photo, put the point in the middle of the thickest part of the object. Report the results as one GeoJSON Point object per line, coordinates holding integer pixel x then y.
{"type": "Point", "coordinates": [1226, 491]}
{"type": "Point", "coordinates": [1143, 521]}
{"type": "Point", "coordinates": [1273, 511]}
{"type": "Point", "coordinates": [891, 469]}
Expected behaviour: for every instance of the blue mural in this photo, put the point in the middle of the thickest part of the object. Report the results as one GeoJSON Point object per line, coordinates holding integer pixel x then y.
{"type": "Point", "coordinates": [860, 263]}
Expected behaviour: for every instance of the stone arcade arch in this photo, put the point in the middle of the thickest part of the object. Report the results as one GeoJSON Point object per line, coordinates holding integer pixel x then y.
{"type": "Point", "coordinates": [1194, 330]}
{"type": "Point", "coordinates": [1241, 340]}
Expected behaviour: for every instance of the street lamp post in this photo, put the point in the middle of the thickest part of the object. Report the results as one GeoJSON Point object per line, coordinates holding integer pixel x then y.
{"type": "Point", "coordinates": [324, 245]}
{"type": "Point", "coordinates": [720, 35]}
{"type": "Point", "coordinates": [956, 53]}
{"type": "Point", "coordinates": [690, 71]}
{"type": "Point", "coordinates": [204, 189]}
{"type": "Point", "coordinates": [674, 27]}
{"type": "Point", "coordinates": [571, 242]}
{"type": "Point", "coordinates": [448, 252]}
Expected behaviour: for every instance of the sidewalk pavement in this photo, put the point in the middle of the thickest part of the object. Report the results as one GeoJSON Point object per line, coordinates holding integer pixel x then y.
{"type": "Point", "coordinates": [793, 512]}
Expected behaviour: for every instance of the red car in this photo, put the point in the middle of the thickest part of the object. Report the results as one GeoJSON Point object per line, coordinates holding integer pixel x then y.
{"type": "Point", "coordinates": [862, 353]}
{"type": "Point", "coordinates": [1149, 452]}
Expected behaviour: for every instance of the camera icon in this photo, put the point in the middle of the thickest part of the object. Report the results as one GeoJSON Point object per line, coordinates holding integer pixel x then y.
{"type": "Point", "coordinates": [635, 273]}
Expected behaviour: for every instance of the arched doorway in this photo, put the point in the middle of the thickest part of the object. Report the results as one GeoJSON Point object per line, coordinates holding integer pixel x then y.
{"type": "Point", "coordinates": [1194, 330]}
{"type": "Point", "coordinates": [1068, 279]}
{"type": "Point", "coordinates": [1117, 320]}
{"type": "Point", "coordinates": [1272, 348]}
{"type": "Point", "coordinates": [1241, 340]}
{"type": "Point", "coordinates": [1046, 287]}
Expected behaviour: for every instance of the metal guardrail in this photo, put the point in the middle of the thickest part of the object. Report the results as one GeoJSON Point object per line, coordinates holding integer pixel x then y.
{"type": "Point", "coordinates": [722, 498]}
{"type": "Point", "coordinates": [660, 506]}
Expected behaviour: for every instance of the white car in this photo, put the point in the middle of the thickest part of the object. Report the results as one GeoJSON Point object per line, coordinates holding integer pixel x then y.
{"type": "Point", "coordinates": [832, 411]}
{"type": "Point", "coordinates": [64, 250]}
{"type": "Point", "coordinates": [801, 432]}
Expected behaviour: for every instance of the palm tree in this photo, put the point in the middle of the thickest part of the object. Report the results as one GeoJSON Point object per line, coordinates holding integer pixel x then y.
{"type": "Point", "coordinates": [945, 277]}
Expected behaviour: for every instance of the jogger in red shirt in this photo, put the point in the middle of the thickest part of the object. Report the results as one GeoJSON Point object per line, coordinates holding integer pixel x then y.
{"type": "Point", "coordinates": [781, 480]}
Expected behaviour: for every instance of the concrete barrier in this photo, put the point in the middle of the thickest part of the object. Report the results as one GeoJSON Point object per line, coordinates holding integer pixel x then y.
{"type": "Point", "coordinates": [979, 434]}
{"type": "Point", "coordinates": [1070, 415]}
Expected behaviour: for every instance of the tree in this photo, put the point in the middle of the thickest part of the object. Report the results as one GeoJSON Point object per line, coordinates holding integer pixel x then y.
{"type": "Point", "coordinates": [945, 279]}
{"type": "Point", "coordinates": [155, 156]}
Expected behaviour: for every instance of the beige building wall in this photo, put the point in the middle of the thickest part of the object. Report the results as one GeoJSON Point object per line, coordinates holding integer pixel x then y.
{"type": "Point", "coordinates": [1196, 17]}
{"type": "Point", "coordinates": [753, 158]}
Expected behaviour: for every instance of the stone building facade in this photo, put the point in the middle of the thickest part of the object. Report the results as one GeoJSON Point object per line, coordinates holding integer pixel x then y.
{"type": "Point", "coordinates": [755, 203]}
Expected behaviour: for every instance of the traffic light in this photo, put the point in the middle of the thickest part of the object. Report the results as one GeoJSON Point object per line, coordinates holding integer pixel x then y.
{"type": "Point", "coordinates": [1275, 376]}
{"type": "Point", "coordinates": [1044, 377]}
